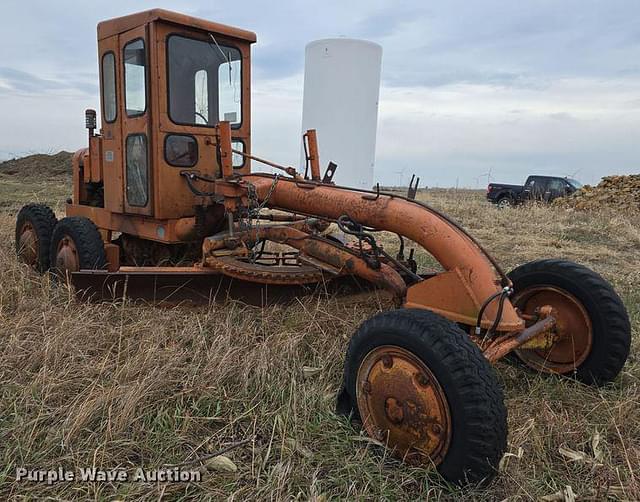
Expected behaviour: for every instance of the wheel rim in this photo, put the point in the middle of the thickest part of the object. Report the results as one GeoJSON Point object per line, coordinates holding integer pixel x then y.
{"type": "Point", "coordinates": [504, 203]}
{"type": "Point", "coordinates": [573, 329]}
{"type": "Point", "coordinates": [67, 259]}
{"type": "Point", "coordinates": [403, 405]}
{"type": "Point", "coordinates": [28, 244]}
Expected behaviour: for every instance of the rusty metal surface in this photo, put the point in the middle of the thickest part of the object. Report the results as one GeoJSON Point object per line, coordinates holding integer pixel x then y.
{"type": "Point", "coordinates": [444, 291]}
{"type": "Point", "coordinates": [264, 274]}
{"type": "Point", "coordinates": [402, 405]}
{"type": "Point", "coordinates": [174, 230]}
{"type": "Point", "coordinates": [28, 244]}
{"type": "Point", "coordinates": [451, 247]}
{"type": "Point", "coordinates": [112, 254]}
{"type": "Point", "coordinates": [329, 253]}
{"type": "Point", "coordinates": [119, 25]}
{"type": "Point", "coordinates": [508, 343]}
{"type": "Point", "coordinates": [226, 155]}
{"type": "Point", "coordinates": [67, 259]}
{"type": "Point", "coordinates": [574, 333]}
{"type": "Point", "coordinates": [310, 139]}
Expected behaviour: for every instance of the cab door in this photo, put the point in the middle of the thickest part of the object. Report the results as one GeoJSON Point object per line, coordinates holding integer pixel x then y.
{"type": "Point", "coordinates": [557, 188]}
{"type": "Point", "coordinates": [203, 78]}
{"type": "Point", "coordinates": [135, 113]}
{"type": "Point", "coordinates": [535, 188]}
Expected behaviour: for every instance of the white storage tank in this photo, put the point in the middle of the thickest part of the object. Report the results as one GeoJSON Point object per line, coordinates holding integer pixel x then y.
{"type": "Point", "coordinates": [341, 91]}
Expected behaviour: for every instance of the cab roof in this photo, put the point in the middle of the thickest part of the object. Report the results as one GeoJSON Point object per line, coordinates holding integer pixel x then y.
{"type": "Point", "coordinates": [125, 23]}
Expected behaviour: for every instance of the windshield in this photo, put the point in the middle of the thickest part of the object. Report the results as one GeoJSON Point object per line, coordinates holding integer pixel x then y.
{"type": "Point", "coordinates": [574, 183]}
{"type": "Point", "coordinates": [205, 81]}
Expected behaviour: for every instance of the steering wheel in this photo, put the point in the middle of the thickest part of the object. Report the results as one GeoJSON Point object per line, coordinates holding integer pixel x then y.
{"type": "Point", "coordinates": [198, 114]}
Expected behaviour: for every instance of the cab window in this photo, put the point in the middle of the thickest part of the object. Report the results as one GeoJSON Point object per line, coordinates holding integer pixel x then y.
{"type": "Point", "coordinates": [237, 160]}
{"type": "Point", "coordinates": [181, 150]}
{"type": "Point", "coordinates": [557, 185]}
{"type": "Point", "coordinates": [204, 82]}
{"type": "Point", "coordinates": [135, 78]}
{"type": "Point", "coordinates": [109, 86]}
{"type": "Point", "coordinates": [137, 170]}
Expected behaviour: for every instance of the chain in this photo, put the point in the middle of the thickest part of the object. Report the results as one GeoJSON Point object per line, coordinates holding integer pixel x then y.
{"type": "Point", "coordinates": [254, 206]}
{"type": "Point", "coordinates": [253, 197]}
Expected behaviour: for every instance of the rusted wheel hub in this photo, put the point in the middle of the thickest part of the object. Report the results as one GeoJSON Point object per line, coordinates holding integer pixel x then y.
{"type": "Point", "coordinates": [573, 330]}
{"type": "Point", "coordinates": [28, 245]}
{"type": "Point", "coordinates": [67, 259]}
{"type": "Point", "coordinates": [402, 405]}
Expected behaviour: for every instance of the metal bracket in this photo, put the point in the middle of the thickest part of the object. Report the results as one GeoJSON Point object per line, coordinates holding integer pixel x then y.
{"type": "Point", "coordinates": [413, 189]}
{"type": "Point", "coordinates": [328, 174]}
{"type": "Point", "coordinates": [371, 197]}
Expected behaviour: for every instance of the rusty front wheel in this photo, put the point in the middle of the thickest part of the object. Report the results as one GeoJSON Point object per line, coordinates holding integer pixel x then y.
{"type": "Point", "coordinates": [592, 337]}
{"type": "Point", "coordinates": [404, 405]}
{"type": "Point", "coordinates": [421, 387]}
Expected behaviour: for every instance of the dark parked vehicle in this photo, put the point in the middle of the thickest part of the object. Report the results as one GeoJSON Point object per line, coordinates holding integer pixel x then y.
{"type": "Point", "coordinates": [540, 188]}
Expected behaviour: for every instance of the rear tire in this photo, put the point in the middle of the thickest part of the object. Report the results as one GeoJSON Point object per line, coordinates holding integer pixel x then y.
{"type": "Point", "coordinates": [34, 227]}
{"type": "Point", "coordinates": [471, 403]}
{"type": "Point", "coordinates": [597, 358]}
{"type": "Point", "coordinates": [76, 244]}
{"type": "Point", "coordinates": [505, 203]}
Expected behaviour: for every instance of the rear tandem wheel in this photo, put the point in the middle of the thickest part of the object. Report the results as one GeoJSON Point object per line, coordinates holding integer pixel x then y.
{"type": "Point", "coordinates": [34, 226]}
{"type": "Point", "coordinates": [593, 329]}
{"type": "Point", "coordinates": [76, 244]}
{"type": "Point", "coordinates": [420, 386]}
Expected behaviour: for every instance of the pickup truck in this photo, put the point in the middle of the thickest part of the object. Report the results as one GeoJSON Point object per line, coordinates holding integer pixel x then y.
{"type": "Point", "coordinates": [540, 188]}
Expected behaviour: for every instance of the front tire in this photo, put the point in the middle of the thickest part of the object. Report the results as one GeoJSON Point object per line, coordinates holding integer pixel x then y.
{"type": "Point", "coordinates": [76, 244]}
{"type": "Point", "coordinates": [423, 388]}
{"type": "Point", "coordinates": [594, 333]}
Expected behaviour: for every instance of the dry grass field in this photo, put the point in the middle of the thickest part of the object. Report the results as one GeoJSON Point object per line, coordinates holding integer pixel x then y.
{"type": "Point", "coordinates": [126, 384]}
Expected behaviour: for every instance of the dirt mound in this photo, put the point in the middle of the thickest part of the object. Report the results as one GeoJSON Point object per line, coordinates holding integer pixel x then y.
{"type": "Point", "coordinates": [39, 165]}
{"type": "Point", "coordinates": [616, 192]}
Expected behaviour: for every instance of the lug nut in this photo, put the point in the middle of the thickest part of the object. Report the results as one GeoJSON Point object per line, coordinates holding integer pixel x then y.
{"type": "Point", "coordinates": [422, 380]}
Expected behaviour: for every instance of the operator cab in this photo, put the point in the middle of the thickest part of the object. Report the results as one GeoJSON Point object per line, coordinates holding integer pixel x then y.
{"type": "Point", "coordinates": [166, 81]}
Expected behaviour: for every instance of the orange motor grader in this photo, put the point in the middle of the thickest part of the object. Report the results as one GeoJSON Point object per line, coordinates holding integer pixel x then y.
{"type": "Point", "coordinates": [166, 188]}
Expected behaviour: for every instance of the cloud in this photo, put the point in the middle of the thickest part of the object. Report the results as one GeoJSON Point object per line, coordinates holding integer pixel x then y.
{"type": "Point", "coordinates": [20, 82]}
{"type": "Point", "coordinates": [388, 20]}
{"type": "Point", "coordinates": [277, 61]}
{"type": "Point", "coordinates": [467, 86]}
{"type": "Point", "coordinates": [450, 132]}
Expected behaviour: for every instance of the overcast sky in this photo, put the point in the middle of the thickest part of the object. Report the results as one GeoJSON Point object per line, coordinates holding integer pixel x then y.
{"type": "Point", "coordinates": [468, 87]}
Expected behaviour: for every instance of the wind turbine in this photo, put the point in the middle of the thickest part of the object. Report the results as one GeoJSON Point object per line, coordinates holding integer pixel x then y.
{"type": "Point", "coordinates": [487, 174]}
{"type": "Point", "coordinates": [400, 174]}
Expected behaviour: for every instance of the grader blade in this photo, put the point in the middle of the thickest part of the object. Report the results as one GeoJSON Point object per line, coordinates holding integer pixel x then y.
{"type": "Point", "coordinates": [195, 285]}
